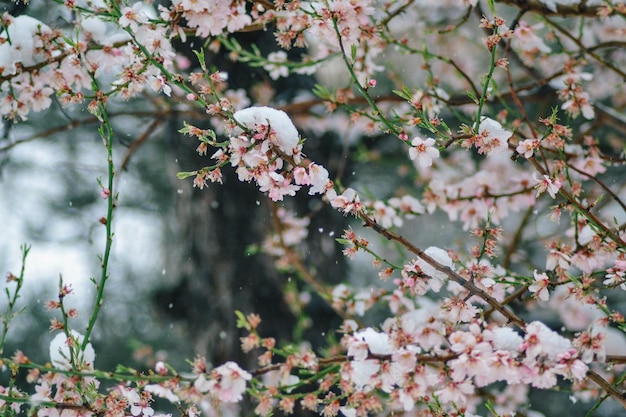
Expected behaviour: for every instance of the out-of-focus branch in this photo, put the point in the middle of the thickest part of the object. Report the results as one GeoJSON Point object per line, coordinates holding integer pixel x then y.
{"type": "Point", "coordinates": [580, 9]}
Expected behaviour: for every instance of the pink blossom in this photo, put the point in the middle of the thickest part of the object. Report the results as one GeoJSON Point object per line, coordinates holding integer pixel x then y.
{"type": "Point", "coordinates": [455, 392]}
{"type": "Point", "coordinates": [276, 186]}
{"type": "Point", "coordinates": [542, 341]}
{"type": "Point", "coordinates": [348, 201]}
{"type": "Point", "coordinates": [407, 205]}
{"type": "Point", "coordinates": [547, 184]}
{"type": "Point", "coordinates": [386, 216]}
{"type": "Point", "coordinates": [424, 151]}
{"type": "Point", "coordinates": [527, 147]}
{"type": "Point", "coordinates": [540, 286]}
{"type": "Point", "coordinates": [492, 137]}
{"type": "Point", "coordinates": [227, 383]}
{"type": "Point", "coordinates": [276, 65]}
{"type": "Point", "coordinates": [158, 83]}
{"type": "Point", "coordinates": [526, 39]}
{"type": "Point", "coordinates": [458, 310]}
{"type": "Point", "coordinates": [133, 15]}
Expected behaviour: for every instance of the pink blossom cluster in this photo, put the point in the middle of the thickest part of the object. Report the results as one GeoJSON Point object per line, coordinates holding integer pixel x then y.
{"type": "Point", "coordinates": [454, 336]}
{"type": "Point", "coordinates": [401, 360]}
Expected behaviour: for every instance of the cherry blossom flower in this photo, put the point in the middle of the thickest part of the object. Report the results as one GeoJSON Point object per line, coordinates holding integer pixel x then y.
{"type": "Point", "coordinates": [540, 286]}
{"type": "Point", "coordinates": [552, 186]}
{"type": "Point", "coordinates": [227, 382]}
{"type": "Point", "coordinates": [158, 83]}
{"type": "Point", "coordinates": [276, 65]}
{"type": "Point", "coordinates": [424, 151]}
{"type": "Point", "coordinates": [527, 147]}
{"type": "Point", "coordinates": [348, 201]}
{"type": "Point", "coordinates": [615, 275]}
{"type": "Point", "coordinates": [492, 137]}
{"type": "Point", "coordinates": [318, 179]}
{"type": "Point", "coordinates": [131, 16]}
{"type": "Point", "coordinates": [407, 205]}
{"type": "Point", "coordinates": [277, 186]}
{"type": "Point", "coordinates": [386, 216]}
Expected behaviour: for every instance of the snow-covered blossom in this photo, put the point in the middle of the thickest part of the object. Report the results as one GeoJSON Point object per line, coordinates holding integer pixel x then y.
{"type": "Point", "coordinates": [227, 382]}
{"type": "Point", "coordinates": [542, 341]}
{"type": "Point", "coordinates": [282, 132]}
{"type": "Point", "coordinates": [505, 338]}
{"type": "Point", "coordinates": [492, 137]}
{"type": "Point", "coordinates": [66, 353]}
{"type": "Point", "coordinates": [378, 343]}
{"type": "Point", "coordinates": [438, 277]}
{"type": "Point", "coordinates": [424, 151]}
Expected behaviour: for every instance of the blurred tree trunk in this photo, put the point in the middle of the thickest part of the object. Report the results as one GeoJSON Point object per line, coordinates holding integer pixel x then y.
{"type": "Point", "coordinates": [216, 276]}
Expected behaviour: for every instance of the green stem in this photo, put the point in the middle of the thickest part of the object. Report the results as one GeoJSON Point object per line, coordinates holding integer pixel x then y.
{"type": "Point", "coordinates": [13, 299]}
{"type": "Point", "coordinates": [483, 96]}
{"type": "Point", "coordinates": [106, 132]}
{"type": "Point", "coordinates": [379, 115]}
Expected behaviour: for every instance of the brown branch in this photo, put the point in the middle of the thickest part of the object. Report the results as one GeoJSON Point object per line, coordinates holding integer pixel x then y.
{"type": "Point", "coordinates": [296, 263]}
{"type": "Point", "coordinates": [584, 49]}
{"type": "Point", "coordinates": [140, 141]}
{"type": "Point", "coordinates": [607, 387]}
{"type": "Point", "coordinates": [468, 285]}
{"type": "Point", "coordinates": [537, 6]}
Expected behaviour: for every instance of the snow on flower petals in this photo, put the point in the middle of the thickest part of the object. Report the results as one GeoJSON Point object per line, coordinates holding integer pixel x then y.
{"type": "Point", "coordinates": [424, 151]}
{"type": "Point", "coordinates": [66, 352]}
{"type": "Point", "coordinates": [227, 382]}
{"type": "Point", "coordinates": [542, 341]}
{"type": "Point", "coordinates": [492, 137]}
{"type": "Point", "coordinates": [282, 132]}
{"type": "Point", "coordinates": [437, 277]}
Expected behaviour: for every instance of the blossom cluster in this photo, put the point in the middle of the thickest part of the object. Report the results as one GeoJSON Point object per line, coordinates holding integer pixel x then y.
{"type": "Point", "coordinates": [478, 145]}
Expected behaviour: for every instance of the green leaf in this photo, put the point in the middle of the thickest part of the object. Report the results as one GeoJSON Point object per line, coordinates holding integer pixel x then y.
{"type": "Point", "coordinates": [343, 241]}
{"type": "Point", "coordinates": [242, 321]}
{"type": "Point", "coordinates": [321, 91]}
{"type": "Point", "coordinates": [201, 60]}
{"type": "Point", "coordinates": [472, 96]}
{"type": "Point", "coordinates": [183, 175]}
{"type": "Point", "coordinates": [405, 93]}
